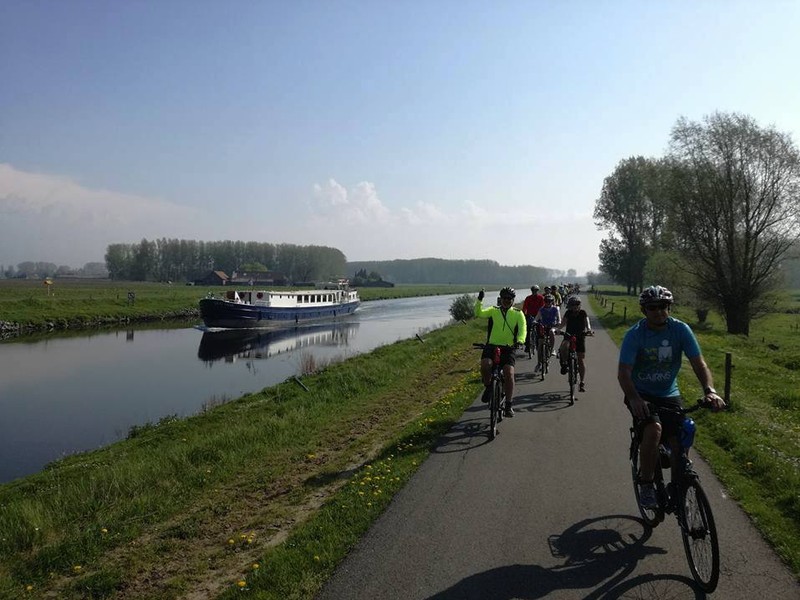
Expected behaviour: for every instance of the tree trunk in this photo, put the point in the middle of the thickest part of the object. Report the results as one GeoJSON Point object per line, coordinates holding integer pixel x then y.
{"type": "Point", "coordinates": [738, 321]}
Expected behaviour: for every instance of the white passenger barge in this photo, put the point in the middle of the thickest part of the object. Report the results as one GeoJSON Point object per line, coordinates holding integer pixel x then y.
{"type": "Point", "coordinates": [257, 309]}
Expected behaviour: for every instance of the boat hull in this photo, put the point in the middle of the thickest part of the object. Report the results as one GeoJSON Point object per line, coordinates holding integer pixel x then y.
{"type": "Point", "coordinates": [229, 315]}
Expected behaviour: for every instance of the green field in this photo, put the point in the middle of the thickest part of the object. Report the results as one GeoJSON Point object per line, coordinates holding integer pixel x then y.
{"type": "Point", "coordinates": [754, 448]}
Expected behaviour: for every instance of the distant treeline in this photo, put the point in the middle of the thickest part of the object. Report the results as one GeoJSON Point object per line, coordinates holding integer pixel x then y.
{"type": "Point", "coordinates": [187, 260]}
{"type": "Point", "coordinates": [438, 270]}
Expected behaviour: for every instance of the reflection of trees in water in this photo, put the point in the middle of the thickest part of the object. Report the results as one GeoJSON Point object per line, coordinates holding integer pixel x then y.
{"type": "Point", "coordinates": [230, 345]}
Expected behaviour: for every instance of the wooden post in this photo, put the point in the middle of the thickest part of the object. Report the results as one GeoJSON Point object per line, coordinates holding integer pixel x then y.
{"type": "Point", "coordinates": [612, 307]}
{"type": "Point", "coordinates": [625, 315]}
{"type": "Point", "coordinates": [728, 368]}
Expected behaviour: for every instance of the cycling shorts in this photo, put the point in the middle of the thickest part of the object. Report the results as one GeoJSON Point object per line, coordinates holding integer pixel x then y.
{"type": "Point", "coordinates": [507, 354]}
{"type": "Point", "coordinates": [671, 422]}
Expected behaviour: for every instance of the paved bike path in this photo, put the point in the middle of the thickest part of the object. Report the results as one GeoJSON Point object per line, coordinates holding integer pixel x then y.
{"type": "Point", "coordinates": [546, 510]}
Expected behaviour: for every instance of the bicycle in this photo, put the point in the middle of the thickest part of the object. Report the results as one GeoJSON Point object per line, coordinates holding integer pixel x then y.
{"type": "Point", "coordinates": [686, 499]}
{"type": "Point", "coordinates": [531, 342]}
{"type": "Point", "coordinates": [572, 362]}
{"type": "Point", "coordinates": [497, 396]}
{"type": "Point", "coordinates": [545, 348]}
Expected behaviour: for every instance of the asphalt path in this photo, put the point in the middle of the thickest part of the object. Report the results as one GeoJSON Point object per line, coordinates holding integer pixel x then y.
{"type": "Point", "coordinates": [546, 510]}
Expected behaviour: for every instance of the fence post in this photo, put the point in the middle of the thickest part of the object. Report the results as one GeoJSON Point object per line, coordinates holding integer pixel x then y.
{"type": "Point", "coordinates": [728, 368]}
{"type": "Point", "coordinates": [625, 314]}
{"type": "Point", "coordinates": [612, 307]}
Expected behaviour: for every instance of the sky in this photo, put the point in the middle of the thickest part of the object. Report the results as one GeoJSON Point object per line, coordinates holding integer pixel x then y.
{"type": "Point", "coordinates": [454, 129]}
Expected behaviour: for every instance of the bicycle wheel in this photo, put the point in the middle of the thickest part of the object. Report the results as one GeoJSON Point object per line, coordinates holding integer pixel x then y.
{"type": "Point", "coordinates": [572, 377]}
{"type": "Point", "coordinates": [542, 360]}
{"type": "Point", "coordinates": [501, 404]}
{"type": "Point", "coordinates": [651, 516]}
{"type": "Point", "coordinates": [494, 410]}
{"type": "Point", "coordinates": [699, 536]}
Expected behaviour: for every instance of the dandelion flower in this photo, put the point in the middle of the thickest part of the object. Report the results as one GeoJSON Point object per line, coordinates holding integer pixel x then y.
{"type": "Point", "coordinates": [104, 530]}
{"type": "Point", "coordinates": [241, 583]}
{"type": "Point", "coordinates": [230, 541]}
{"type": "Point", "coordinates": [28, 588]}
{"type": "Point", "coordinates": [256, 566]}
{"type": "Point", "coordinates": [316, 557]}
{"type": "Point", "coordinates": [77, 568]}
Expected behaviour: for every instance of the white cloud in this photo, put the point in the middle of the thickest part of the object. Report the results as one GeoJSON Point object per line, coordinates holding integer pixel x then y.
{"type": "Point", "coordinates": [53, 218]}
{"type": "Point", "coordinates": [364, 228]}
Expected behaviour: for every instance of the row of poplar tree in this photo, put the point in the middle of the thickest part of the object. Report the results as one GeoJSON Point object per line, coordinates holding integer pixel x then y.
{"type": "Point", "coordinates": [187, 260]}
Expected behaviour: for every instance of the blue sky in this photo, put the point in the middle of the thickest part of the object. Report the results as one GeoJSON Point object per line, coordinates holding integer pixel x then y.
{"type": "Point", "coordinates": [403, 129]}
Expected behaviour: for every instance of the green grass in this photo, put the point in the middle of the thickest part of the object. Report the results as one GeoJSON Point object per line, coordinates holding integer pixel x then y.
{"type": "Point", "coordinates": [197, 502]}
{"type": "Point", "coordinates": [71, 304]}
{"type": "Point", "coordinates": [754, 448]}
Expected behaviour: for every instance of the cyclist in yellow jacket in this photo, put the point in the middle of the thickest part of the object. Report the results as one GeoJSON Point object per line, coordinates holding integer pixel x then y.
{"type": "Point", "coordinates": [508, 331]}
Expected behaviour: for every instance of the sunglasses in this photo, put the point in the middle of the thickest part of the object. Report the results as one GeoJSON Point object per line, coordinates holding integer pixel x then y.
{"type": "Point", "coordinates": [655, 307]}
{"type": "Point", "coordinates": [507, 297]}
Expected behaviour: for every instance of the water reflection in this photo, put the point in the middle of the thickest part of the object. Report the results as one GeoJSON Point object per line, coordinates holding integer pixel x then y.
{"type": "Point", "coordinates": [232, 344]}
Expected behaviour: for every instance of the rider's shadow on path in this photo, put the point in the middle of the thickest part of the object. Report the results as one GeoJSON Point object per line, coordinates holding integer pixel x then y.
{"type": "Point", "coordinates": [595, 554]}
{"type": "Point", "coordinates": [546, 402]}
{"type": "Point", "coordinates": [467, 433]}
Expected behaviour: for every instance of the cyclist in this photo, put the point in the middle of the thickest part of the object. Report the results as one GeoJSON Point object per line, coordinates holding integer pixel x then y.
{"type": "Point", "coordinates": [549, 316]}
{"type": "Point", "coordinates": [575, 322]}
{"type": "Point", "coordinates": [530, 308]}
{"type": "Point", "coordinates": [507, 331]}
{"type": "Point", "coordinates": [556, 295]}
{"type": "Point", "coordinates": [649, 361]}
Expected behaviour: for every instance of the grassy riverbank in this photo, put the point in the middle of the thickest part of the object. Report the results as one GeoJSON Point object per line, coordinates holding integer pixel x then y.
{"type": "Point", "coordinates": [70, 304]}
{"type": "Point", "coordinates": [754, 448]}
{"type": "Point", "coordinates": [264, 494]}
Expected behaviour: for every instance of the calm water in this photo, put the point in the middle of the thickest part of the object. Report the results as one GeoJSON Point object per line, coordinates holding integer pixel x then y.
{"type": "Point", "coordinates": [65, 395]}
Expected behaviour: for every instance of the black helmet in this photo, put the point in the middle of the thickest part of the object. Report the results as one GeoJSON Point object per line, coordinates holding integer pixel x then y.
{"type": "Point", "coordinates": [535, 288]}
{"type": "Point", "coordinates": [655, 293]}
{"type": "Point", "coordinates": [574, 301]}
{"type": "Point", "coordinates": [508, 292]}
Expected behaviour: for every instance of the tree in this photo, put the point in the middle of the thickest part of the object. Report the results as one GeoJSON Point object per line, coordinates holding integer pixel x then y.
{"type": "Point", "coordinates": [735, 209]}
{"type": "Point", "coordinates": [631, 206]}
{"type": "Point", "coordinates": [463, 308]}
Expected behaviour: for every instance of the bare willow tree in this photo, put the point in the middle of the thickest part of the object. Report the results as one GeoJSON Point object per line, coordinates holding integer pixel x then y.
{"type": "Point", "coordinates": [735, 209]}
{"type": "Point", "coordinates": [631, 206]}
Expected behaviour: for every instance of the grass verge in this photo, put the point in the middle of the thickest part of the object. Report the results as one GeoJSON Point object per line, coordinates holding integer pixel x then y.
{"type": "Point", "coordinates": [262, 495]}
{"type": "Point", "coordinates": [754, 447]}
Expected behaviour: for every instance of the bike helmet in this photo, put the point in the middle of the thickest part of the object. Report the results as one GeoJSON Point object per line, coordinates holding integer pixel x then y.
{"type": "Point", "coordinates": [508, 292]}
{"type": "Point", "coordinates": [535, 288]}
{"type": "Point", "coordinates": [573, 301]}
{"type": "Point", "coordinates": [549, 298]}
{"type": "Point", "coordinates": [655, 293]}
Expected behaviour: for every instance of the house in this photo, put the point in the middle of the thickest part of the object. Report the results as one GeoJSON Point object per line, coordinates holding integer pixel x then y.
{"type": "Point", "coordinates": [213, 278]}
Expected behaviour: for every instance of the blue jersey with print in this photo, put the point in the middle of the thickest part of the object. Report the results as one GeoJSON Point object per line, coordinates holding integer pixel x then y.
{"type": "Point", "coordinates": [549, 315]}
{"type": "Point", "coordinates": [655, 356]}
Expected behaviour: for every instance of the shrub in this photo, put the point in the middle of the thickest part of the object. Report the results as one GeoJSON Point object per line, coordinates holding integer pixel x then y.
{"type": "Point", "coordinates": [463, 308]}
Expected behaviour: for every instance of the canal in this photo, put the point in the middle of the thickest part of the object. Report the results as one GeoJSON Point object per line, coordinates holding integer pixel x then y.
{"type": "Point", "coordinates": [63, 395]}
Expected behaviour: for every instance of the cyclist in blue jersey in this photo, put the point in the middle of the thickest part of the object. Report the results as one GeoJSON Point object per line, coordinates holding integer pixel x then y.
{"type": "Point", "coordinates": [549, 316]}
{"type": "Point", "coordinates": [507, 331]}
{"type": "Point", "coordinates": [649, 361]}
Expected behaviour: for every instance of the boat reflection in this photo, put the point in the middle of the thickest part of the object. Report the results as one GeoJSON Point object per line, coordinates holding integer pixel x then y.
{"type": "Point", "coordinates": [230, 344]}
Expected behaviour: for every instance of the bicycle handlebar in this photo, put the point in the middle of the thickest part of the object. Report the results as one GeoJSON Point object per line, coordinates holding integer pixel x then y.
{"type": "Point", "coordinates": [681, 410]}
